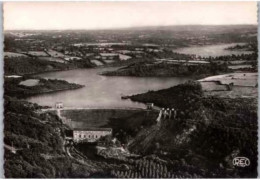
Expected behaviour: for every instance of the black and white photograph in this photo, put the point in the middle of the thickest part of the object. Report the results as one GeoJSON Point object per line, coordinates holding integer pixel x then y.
{"type": "Point", "coordinates": [127, 89]}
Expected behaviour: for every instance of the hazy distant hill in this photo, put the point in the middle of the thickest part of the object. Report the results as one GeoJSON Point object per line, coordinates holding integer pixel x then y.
{"type": "Point", "coordinates": [178, 36]}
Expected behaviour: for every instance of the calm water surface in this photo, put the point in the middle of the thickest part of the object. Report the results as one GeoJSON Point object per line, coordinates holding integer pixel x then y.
{"type": "Point", "coordinates": [211, 50]}
{"type": "Point", "coordinates": [101, 91]}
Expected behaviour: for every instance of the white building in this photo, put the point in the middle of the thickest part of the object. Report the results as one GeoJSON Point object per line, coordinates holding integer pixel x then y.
{"type": "Point", "coordinates": [90, 134]}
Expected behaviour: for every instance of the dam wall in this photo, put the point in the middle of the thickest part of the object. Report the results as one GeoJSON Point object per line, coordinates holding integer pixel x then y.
{"type": "Point", "coordinates": [85, 118]}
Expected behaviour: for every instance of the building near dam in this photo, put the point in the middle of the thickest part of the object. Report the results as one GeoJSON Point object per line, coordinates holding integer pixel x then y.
{"type": "Point", "coordinates": [90, 134]}
{"type": "Point", "coordinates": [59, 105]}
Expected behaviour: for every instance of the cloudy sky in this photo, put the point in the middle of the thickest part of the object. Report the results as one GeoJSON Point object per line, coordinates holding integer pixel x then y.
{"type": "Point", "coordinates": [105, 15]}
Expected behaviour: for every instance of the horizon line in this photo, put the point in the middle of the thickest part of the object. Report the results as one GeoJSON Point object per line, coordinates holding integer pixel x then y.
{"type": "Point", "coordinates": [122, 28]}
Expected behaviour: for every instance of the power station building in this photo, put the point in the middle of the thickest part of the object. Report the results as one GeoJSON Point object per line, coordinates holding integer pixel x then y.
{"type": "Point", "coordinates": [90, 134]}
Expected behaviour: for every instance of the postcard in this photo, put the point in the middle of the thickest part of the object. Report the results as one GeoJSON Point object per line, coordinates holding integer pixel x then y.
{"type": "Point", "coordinates": [130, 89]}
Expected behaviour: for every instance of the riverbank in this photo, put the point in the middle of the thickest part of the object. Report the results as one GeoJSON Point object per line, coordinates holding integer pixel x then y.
{"type": "Point", "coordinates": [170, 69]}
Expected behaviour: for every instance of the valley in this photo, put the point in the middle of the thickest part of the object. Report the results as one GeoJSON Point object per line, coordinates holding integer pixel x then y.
{"type": "Point", "coordinates": [168, 106]}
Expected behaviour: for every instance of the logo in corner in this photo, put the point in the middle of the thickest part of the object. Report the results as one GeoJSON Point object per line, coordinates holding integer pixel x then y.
{"type": "Point", "coordinates": [241, 161]}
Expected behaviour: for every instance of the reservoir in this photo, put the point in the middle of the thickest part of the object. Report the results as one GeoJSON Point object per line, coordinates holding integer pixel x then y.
{"type": "Point", "coordinates": [212, 50]}
{"type": "Point", "coordinates": [101, 91]}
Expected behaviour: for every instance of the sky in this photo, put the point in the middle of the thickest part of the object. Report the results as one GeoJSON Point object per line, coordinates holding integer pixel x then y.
{"type": "Point", "coordinates": [107, 15]}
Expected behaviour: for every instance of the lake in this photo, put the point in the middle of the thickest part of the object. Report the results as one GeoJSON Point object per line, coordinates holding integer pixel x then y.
{"type": "Point", "coordinates": [101, 91]}
{"type": "Point", "coordinates": [211, 50]}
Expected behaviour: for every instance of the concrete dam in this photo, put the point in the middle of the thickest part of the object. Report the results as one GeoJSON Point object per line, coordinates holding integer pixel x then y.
{"type": "Point", "coordinates": [85, 118]}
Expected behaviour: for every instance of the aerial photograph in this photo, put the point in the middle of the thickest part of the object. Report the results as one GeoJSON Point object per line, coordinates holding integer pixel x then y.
{"type": "Point", "coordinates": [130, 89]}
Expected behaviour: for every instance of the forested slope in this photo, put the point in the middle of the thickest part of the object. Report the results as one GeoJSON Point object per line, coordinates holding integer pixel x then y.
{"type": "Point", "coordinates": [208, 132]}
{"type": "Point", "coordinates": [38, 139]}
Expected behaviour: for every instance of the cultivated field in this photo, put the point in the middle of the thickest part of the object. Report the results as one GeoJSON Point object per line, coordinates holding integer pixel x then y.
{"type": "Point", "coordinates": [37, 53]}
{"type": "Point", "coordinates": [240, 85]}
{"type": "Point", "coordinates": [213, 86]}
{"type": "Point", "coordinates": [96, 62]}
{"type": "Point", "coordinates": [124, 57]}
{"type": "Point", "coordinates": [109, 61]}
{"type": "Point", "coordinates": [53, 53]}
{"type": "Point", "coordinates": [238, 62]}
{"type": "Point", "coordinates": [30, 82]}
{"type": "Point", "coordinates": [13, 54]}
{"type": "Point", "coordinates": [53, 59]}
{"type": "Point", "coordinates": [240, 66]}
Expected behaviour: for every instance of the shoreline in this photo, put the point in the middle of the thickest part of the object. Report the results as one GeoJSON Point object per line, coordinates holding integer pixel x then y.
{"type": "Point", "coordinates": [13, 88]}
{"type": "Point", "coordinates": [54, 91]}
